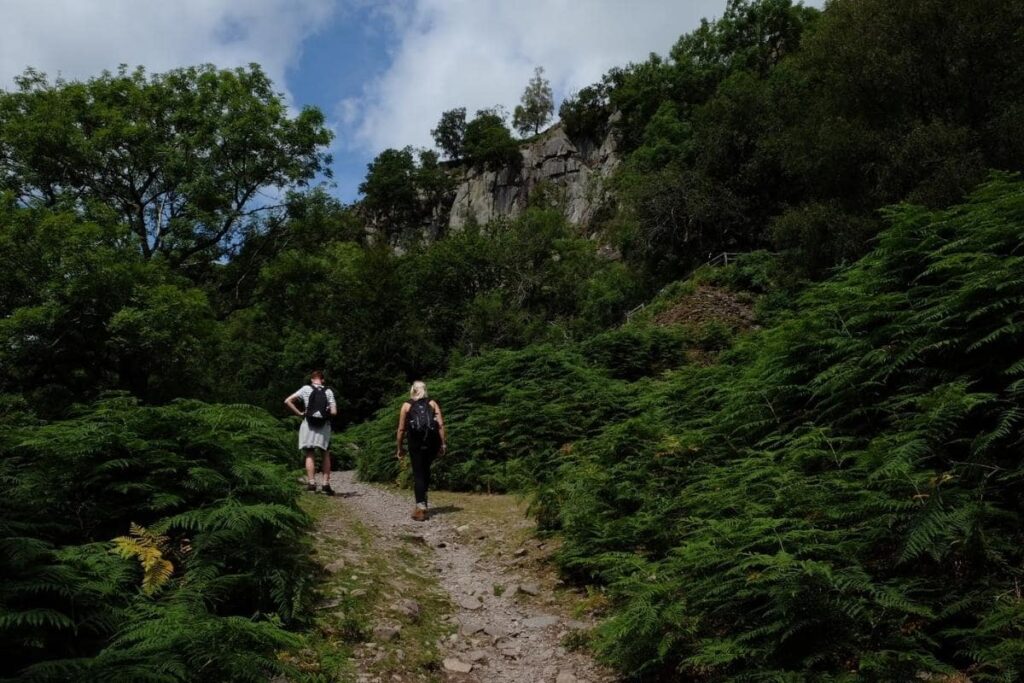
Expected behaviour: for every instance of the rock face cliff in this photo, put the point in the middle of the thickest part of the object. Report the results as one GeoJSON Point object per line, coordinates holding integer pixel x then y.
{"type": "Point", "coordinates": [573, 174]}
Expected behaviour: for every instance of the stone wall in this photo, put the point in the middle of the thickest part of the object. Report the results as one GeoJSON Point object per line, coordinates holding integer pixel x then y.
{"type": "Point", "coordinates": [574, 174]}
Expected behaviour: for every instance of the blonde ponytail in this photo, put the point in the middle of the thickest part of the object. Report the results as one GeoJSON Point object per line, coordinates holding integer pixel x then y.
{"type": "Point", "coordinates": [418, 391]}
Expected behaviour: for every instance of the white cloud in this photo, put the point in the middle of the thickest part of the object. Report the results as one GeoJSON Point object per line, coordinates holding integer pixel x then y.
{"type": "Point", "coordinates": [80, 38]}
{"type": "Point", "coordinates": [478, 53]}
{"type": "Point", "coordinates": [347, 111]}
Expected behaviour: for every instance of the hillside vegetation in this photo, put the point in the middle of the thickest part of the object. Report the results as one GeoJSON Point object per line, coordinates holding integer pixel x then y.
{"type": "Point", "coordinates": [803, 465]}
{"type": "Point", "coordinates": [841, 493]}
{"type": "Point", "coordinates": [149, 544]}
{"type": "Point", "coordinates": [838, 493]}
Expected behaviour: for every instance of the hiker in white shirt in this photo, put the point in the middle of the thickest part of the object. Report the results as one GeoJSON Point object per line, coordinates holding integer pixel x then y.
{"type": "Point", "coordinates": [315, 432]}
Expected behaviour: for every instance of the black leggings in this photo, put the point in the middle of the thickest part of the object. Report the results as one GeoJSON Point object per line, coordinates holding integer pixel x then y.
{"type": "Point", "coordinates": [421, 459]}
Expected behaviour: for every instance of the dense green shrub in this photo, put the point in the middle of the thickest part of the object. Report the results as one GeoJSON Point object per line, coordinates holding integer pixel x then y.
{"type": "Point", "coordinates": [210, 480]}
{"type": "Point", "coordinates": [816, 238]}
{"type": "Point", "coordinates": [841, 497]}
{"type": "Point", "coordinates": [513, 415]}
{"type": "Point", "coordinates": [636, 351]}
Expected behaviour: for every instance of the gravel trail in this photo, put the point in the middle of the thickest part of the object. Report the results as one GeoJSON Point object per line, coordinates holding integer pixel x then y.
{"type": "Point", "coordinates": [500, 638]}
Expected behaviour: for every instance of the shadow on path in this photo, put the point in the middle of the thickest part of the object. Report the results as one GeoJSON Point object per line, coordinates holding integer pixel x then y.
{"type": "Point", "coordinates": [444, 510]}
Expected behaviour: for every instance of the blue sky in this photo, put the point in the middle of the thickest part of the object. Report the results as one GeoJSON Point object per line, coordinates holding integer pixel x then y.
{"type": "Point", "coordinates": [348, 51]}
{"type": "Point", "coordinates": [382, 71]}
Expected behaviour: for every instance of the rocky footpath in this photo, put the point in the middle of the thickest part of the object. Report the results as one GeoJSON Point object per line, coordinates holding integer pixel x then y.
{"type": "Point", "coordinates": [502, 625]}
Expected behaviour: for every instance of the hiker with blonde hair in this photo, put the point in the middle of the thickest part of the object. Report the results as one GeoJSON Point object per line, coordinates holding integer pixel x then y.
{"type": "Point", "coordinates": [421, 419]}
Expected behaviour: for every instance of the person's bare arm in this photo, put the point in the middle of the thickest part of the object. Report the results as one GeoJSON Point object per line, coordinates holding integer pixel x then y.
{"type": "Point", "coordinates": [290, 402]}
{"type": "Point", "coordinates": [440, 426]}
{"type": "Point", "coordinates": [401, 430]}
{"type": "Point", "coordinates": [333, 408]}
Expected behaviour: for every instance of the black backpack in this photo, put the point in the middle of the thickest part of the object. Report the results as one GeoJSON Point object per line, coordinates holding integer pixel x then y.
{"type": "Point", "coordinates": [420, 420]}
{"type": "Point", "coordinates": [318, 408]}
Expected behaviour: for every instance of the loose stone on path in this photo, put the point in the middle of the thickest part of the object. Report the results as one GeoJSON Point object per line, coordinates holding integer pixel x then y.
{"type": "Point", "coordinates": [470, 627]}
{"type": "Point", "coordinates": [543, 621]}
{"type": "Point", "coordinates": [457, 665]}
{"type": "Point", "coordinates": [470, 602]}
{"type": "Point", "coordinates": [529, 589]}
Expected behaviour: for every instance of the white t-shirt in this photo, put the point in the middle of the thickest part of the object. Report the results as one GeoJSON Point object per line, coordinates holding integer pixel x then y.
{"type": "Point", "coordinates": [305, 392]}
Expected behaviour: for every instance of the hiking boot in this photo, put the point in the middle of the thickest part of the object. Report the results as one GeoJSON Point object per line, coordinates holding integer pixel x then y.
{"type": "Point", "coordinates": [328, 491]}
{"type": "Point", "coordinates": [419, 514]}
{"type": "Point", "coordinates": [311, 487]}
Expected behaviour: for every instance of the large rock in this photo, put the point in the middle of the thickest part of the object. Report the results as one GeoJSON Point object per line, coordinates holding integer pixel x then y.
{"type": "Point", "coordinates": [573, 176]}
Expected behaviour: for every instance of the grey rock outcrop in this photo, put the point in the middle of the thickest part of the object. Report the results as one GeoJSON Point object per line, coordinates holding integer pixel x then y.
{"type": "Point", "coordinates": [572, 176]}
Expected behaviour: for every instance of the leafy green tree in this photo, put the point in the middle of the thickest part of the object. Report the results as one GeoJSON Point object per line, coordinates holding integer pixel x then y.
{"type": "Point", "coordinates": [361, 342]}
{"type": "Point", "coordinates": [869, 112]}
{"type": "Point", "coordinates": [83, 313]}
{"type": "Point", "coordinates": [750, 36]}
{"type": "Point", "coordinates": [636, 92]}
{"type": "Point", "coordinates": [165, 339]}
{"type": "Point", "coordinates": [899, 108]}
{"type": "Point", "coordinates": [585, 113]}
{"type": "Point", "coordinates": [788, 109]}
{"type": "Point", "coordinates": [389, 189]}
{"type": "Point", "coordinates": [436, 189]}
{"type": "Point", "coordinates": [403, 189]}
{"type": "Point", "coordinates": [536, 106]}
{"type": "Point", "coordinates": [180, 158]}
{"type": "Point", "coordinates": [450, 133]}
{"type": "Point", "coordinates": [309, 221]}
{"type": "Point", "coordinates": [489, 142]}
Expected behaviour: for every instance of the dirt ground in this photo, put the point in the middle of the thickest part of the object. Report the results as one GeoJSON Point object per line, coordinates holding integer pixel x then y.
{"type": "Point", "coordinates": [469, 595]}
